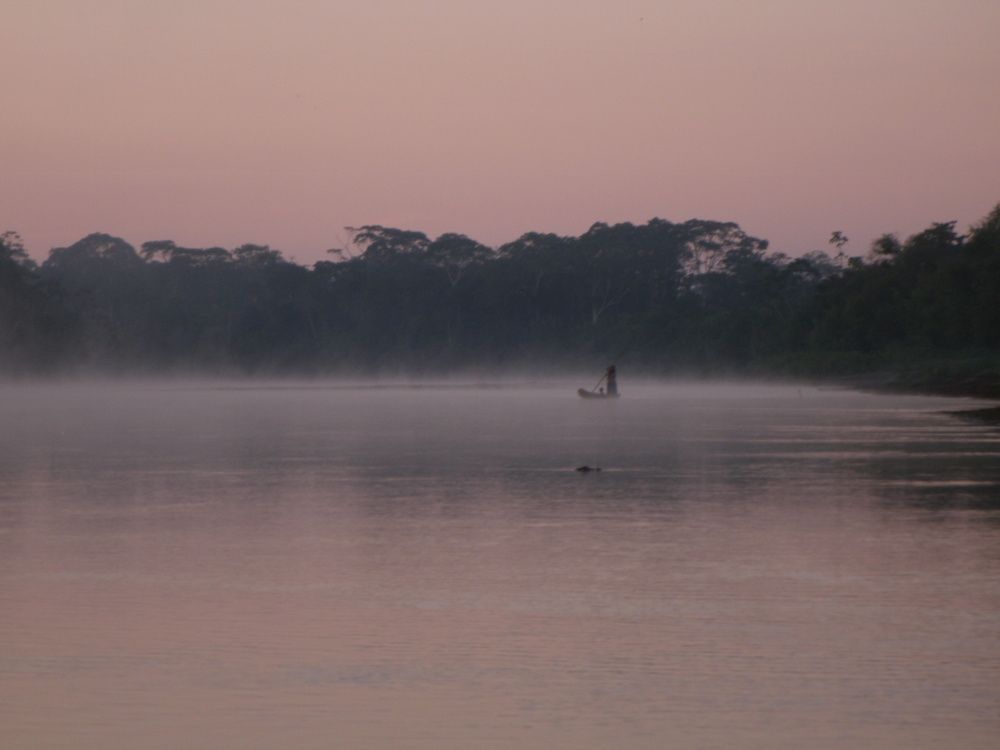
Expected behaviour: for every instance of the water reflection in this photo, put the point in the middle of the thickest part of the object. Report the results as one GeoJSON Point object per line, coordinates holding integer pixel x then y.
{"type": "Point", "coordinates": [244, 567]}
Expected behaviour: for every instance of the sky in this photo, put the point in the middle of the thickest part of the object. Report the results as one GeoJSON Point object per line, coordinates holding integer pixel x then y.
{"type": "Point", "coordinates": [219, 122]}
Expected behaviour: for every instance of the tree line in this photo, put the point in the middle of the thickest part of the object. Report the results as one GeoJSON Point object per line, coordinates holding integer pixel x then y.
{"type": "Point", "coordinates": [697, 296]}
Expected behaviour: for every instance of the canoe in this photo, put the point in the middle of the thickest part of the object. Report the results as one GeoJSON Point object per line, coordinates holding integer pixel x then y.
{"type": "Point", "coordinates": [590, 394]}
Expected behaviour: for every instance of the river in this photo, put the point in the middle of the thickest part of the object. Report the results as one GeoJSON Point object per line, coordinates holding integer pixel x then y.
{"type": "Point", "coordinates": [320, 564]}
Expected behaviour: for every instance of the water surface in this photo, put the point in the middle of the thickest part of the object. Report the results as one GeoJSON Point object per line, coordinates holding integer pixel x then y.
{"type": "Point", "coordinates": [317, 565]}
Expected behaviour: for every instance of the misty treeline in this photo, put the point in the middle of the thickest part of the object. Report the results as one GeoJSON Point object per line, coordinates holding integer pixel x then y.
{"type": "Point", "coordinates": [698, 296]}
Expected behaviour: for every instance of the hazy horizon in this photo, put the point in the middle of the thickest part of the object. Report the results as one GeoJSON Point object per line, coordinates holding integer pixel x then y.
{"type": "Point", "coordinates": [219, 123]}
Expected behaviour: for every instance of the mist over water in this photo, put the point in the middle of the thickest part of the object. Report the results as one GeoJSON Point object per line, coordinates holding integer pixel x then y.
{"type": "Point", "coordinates": [320, 564]}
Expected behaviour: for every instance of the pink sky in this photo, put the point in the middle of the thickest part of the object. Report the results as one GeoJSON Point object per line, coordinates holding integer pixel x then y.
{"type": "Point", "coordinates": [218, 122]}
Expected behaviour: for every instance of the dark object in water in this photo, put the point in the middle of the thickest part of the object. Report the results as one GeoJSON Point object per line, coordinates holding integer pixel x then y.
{"type": "Point", "coordinates": [586, 468]}
{"type": "Point", "coordinates": [590, 394]}
{"type": "Point", "coordinates": [611, 376]}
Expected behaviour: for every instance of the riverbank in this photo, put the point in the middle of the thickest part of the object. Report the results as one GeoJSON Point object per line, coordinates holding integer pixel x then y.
{"type": "Point", "coordinates": [990, 415]}
{"type": "Point", "coordinates": [982, 385]}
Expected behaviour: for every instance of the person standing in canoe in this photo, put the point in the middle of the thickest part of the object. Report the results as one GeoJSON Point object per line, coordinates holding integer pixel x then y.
{"type": "Point", "coordinates": [612, 378]}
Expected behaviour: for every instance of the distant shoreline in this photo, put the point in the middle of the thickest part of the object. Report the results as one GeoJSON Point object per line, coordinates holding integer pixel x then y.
{"type": "Point", "coordinates": [981, 385]}
{"type": "Point", "coordinates": [990, 415]}
{"type": "Point", "coordinates": [984, 385]}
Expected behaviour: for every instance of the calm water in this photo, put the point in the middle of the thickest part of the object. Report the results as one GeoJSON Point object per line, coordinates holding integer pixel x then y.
{"type": "Point", "coordinates": [326, 567]}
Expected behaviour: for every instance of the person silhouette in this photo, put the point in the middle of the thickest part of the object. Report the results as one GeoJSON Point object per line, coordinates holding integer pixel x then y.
{"type": "Point", "coordinates": [612, 376]}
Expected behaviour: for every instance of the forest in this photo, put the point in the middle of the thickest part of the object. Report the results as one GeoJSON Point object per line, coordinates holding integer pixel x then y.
{"type": "Point", "coordinates": [698, 297]}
